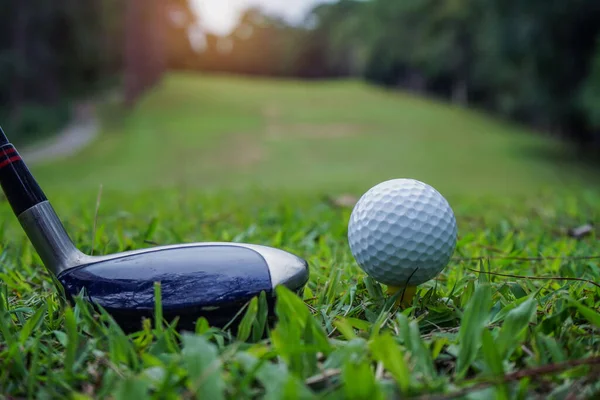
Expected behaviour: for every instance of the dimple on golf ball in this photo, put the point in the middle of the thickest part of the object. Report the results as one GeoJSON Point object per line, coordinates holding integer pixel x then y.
{"type": "Point", "coordinates": [402, 232]}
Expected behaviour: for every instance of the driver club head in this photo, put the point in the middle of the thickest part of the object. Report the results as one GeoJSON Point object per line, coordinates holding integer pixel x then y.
{"type": "Point", "coordinates": [213, 280]}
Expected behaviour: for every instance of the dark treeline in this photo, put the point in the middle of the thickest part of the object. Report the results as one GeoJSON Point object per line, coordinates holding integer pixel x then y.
{"type": "Point", "coordinates": [50, 51]}
{"type": "Point", "coordinates": [533, 61]}
{"type": "Point", "coordinates": [53, 53]}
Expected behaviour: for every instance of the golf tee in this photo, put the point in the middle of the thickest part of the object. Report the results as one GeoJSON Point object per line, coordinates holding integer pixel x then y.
{"type": "Point", "coordinates": [407, 293]}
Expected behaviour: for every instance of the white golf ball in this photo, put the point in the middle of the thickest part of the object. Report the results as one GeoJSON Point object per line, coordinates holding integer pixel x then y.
{"type": "Point", "coordinates": [402, 232]}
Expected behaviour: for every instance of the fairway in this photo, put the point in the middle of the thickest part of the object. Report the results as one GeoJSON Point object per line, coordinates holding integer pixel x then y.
{"type": "Point", "coordinates": [228, 133]}
{"type": "Point", "coordinates": [216, 158]}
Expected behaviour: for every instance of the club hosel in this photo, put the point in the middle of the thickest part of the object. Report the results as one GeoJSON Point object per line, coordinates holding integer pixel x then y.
{"type": "Point", "coordinates": [49, 238]}
{"type": "Point", "coordinates": [36, 215]}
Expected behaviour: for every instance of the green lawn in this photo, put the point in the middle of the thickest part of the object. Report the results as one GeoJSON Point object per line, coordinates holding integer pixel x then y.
{"type": "Point", "coordinates": [232, 159]}
{"type": "Point", "coordinates": [235, 133]}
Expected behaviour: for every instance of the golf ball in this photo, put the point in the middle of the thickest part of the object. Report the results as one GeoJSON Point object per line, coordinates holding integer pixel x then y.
{"type": "Point", "coordinates": [402, 232]}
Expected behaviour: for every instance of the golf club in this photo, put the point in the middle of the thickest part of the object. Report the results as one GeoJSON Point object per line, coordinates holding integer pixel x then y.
{"type": "Point", "coordinates": [211, 280]}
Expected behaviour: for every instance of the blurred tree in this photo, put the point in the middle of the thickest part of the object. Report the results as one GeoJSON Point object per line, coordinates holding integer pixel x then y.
{"type": "Point", "coordinates": [182, 21]}
{"type": "Point", "coordinates": [339, 30]}
{"type": "Point", "coordinates": [590, 97]}
{"type": "Point", "coordinates": [54, 51]}
{"type": "Point", "coordinates": [533, 57]}
{"type": "Point", "coordinates": [530, 60]}
{"type": "Point", "coordinates": [144, 46]}
{"type": "Point", "coordinates": [255, 45]}
{"type": "Point", "coordinates": [259, 44]}
{"type": "Point", "coordinates": [526, 60]}
{"type": "Point", "coordinates": [49, 52]}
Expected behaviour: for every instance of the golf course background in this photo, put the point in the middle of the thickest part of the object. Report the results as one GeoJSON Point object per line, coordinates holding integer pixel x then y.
{"type": "Point", "coordinates": [193, 163]}
{"type": "Point", "coordinates": [212, 156]}
{"type": "Point", "coordinates": [217, 132]}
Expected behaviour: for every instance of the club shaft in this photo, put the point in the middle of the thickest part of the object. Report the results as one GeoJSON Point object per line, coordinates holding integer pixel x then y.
{"type": "Point", "coordinates": [30, 205]}
{"type": "Point", "coordinates": [21, 189]}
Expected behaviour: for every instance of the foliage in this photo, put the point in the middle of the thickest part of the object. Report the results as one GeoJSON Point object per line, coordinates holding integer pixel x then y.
{"type": "Point", "coordinates": [524, 60]}
{"type": "Point", "coordinates": [50, 52]}
{"type": "Point", "coordinates": [590, 92]}
{"type": "Point", "coordinates": [54, 52]}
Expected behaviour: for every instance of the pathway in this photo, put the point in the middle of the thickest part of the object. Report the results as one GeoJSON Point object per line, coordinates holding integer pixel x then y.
{"type": "Point", "coordinates": [79, 133]}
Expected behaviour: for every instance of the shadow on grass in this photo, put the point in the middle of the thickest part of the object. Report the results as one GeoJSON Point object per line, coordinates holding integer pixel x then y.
{"type": "Point", "coordinates": [565, 155]}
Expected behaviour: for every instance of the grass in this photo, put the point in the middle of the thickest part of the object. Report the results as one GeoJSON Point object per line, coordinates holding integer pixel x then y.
{"type": "Point", "coordinates": [213, 133]}
{"type": "Point", "coordinates": [470, 333]}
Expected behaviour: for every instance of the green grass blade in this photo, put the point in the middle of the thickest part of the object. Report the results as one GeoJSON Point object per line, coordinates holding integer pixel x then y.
{"type": "Point", "coordinates": [158, 309]}
{"type": "Point", "coordinates": [592, 316]}
{"type": "Point", "coordinates": [421, 357]}
{"type": "Point", "coordinates": [474, 320]}
{"type": "Point", "coordinates": [275, 378]}
{"type": "Point", "coordinates": [72, 341]}
{"type": "Point", "coordinates": [132, 388]}
{"type": "Point", "coordinates": [386, 350]}
{"type": "Point", "coordinates": [344, 326]}
{"type": "Point", "coordinates": [247, 322]}
{"type": "Point", "coordinates": [260, 322]}
{"type": "Point", "coordinates": [152, 227]}
{"type": "Point", "coordinates": [514, 326]}
{"type": "Point", "coordinates": [549, 349]}
{"type": "Point", "coordinates": [32, 324]}
{"type": "Point", "coordinates": [359, 381]}
{"type": "Point", "coordinates": [32, 378]}
{"type": "Point", "coordinates": [493, 360]}
{"type": "Point", "coordinates": [204, 367]}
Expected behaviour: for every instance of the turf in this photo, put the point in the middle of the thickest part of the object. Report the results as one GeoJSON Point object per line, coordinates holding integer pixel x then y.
{"type": "Point", "coordinates": [471, 333]}
{"type": "Point", "coordinates": [234, 133]}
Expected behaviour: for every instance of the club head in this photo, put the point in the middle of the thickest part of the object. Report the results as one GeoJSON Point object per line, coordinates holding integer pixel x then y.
{"type": "Point", "coordinates": [210, 280]}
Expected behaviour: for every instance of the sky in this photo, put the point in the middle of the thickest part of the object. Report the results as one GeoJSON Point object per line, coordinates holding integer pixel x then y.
{"type": "Point", "coordinates": [220, 16]}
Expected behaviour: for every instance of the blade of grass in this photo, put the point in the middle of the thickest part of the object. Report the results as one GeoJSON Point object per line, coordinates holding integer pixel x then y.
{"type": "Point", "coordinates": [204, 367]}
{"type": "Point", "coordinates": [386, 350]}
{"type": "Point", "coordinates": [515, 323]}
{"type": "Point", "coordinates": [473, 322]}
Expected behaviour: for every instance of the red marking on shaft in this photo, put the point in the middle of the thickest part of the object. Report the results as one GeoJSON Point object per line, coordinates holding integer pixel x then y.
{"type": "Point", "coordinates": [9, 151]}
{"type": "Point", "coordinates": [9, 161]}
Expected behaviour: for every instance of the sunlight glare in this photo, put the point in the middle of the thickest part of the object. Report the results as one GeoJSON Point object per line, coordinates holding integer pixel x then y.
{"type": "Point", "coordinates": [220, 16]}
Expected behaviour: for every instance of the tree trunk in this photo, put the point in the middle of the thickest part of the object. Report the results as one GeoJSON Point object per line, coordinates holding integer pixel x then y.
{"type": "Point", "coordinates": [19, 45]}
{"type": "Point", "coordinates": [144, 53]}
{"type": "Point", "coordinates": [43, 54]}
{"type": "Point", "coordinates": [132, 51]}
